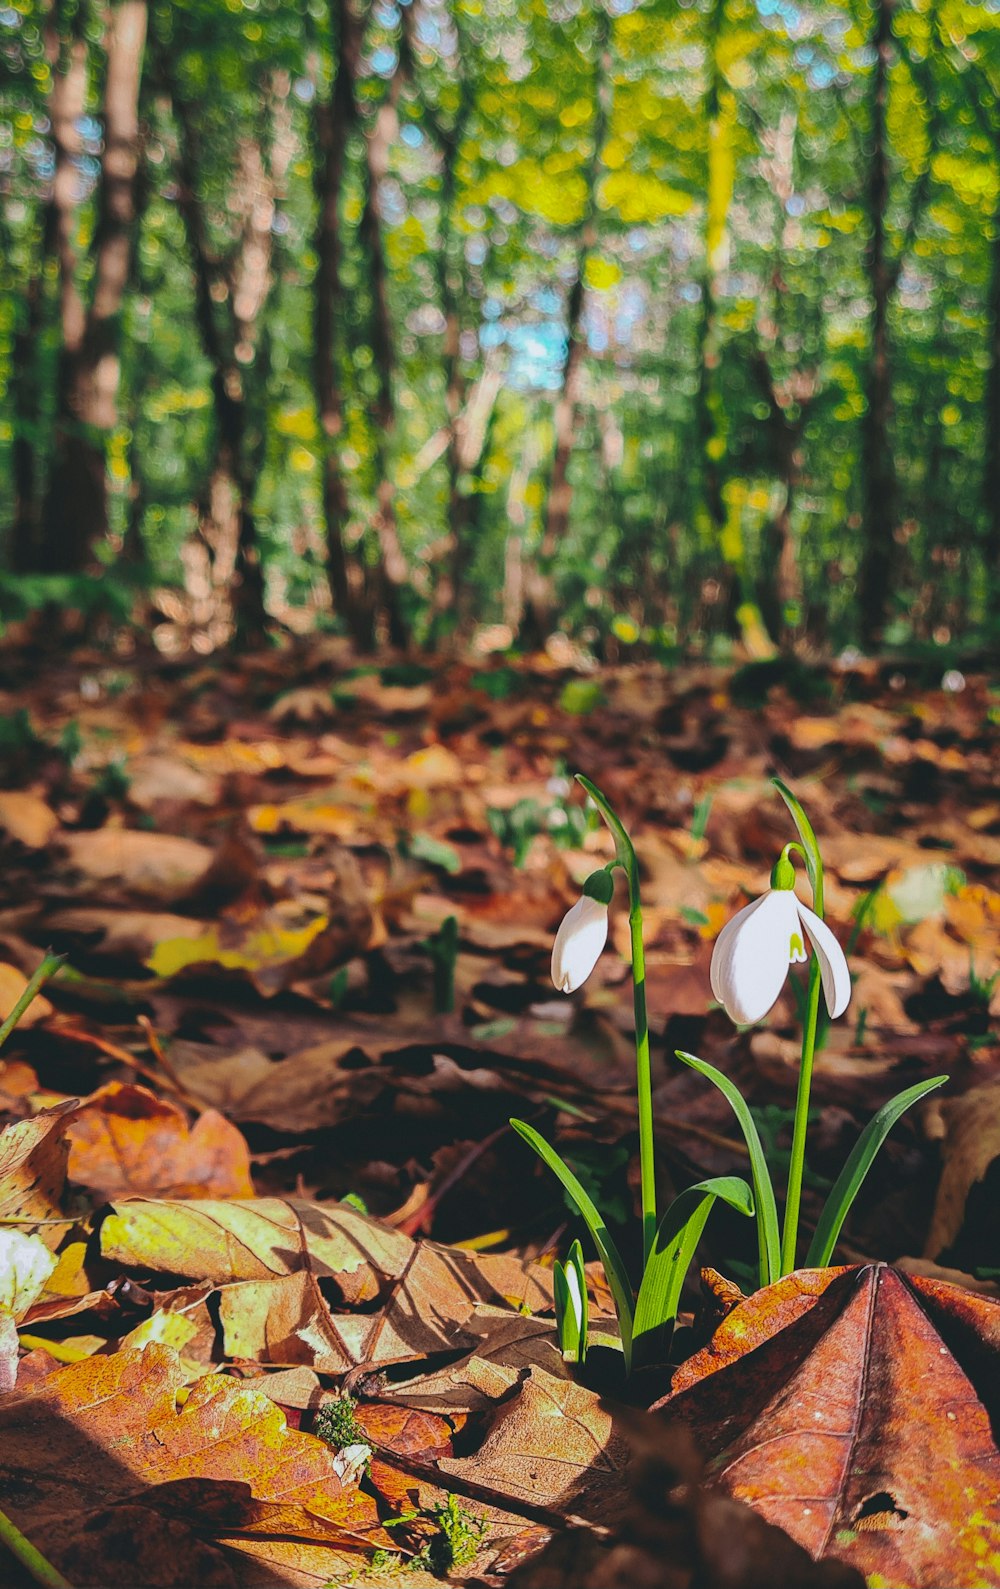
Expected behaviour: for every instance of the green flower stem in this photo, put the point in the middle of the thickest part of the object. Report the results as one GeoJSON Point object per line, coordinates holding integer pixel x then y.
{"type": "Point", "coordinates": [50, 964]}
{"type": "Point", "coordinates": [644, 1080]}
{"type": "Point", "coordinates": [29, 1556]}
{"type": "Point", "coordinates": [625, 857]}
{"type": "Point", "coordinates": [797, 1162]}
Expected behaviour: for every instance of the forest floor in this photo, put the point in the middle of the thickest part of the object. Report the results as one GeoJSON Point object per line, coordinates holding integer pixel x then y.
{"type": "Point", "coordinates": [308, 909]}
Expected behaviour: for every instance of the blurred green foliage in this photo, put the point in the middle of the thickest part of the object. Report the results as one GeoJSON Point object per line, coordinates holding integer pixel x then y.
{"type": "Point", "coordinates": [725, 319]}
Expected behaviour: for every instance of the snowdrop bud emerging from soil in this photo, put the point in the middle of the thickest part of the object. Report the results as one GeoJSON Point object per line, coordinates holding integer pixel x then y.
{"type": "Point", "coordinates": [754, 951]}
{"type": "Point", "coordinates": [582, 934]}
{"type": "Point", "coordinates": [575, 1296]}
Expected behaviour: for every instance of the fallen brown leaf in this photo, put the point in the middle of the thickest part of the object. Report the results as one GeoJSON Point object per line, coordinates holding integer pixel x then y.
{"type": "Point", "coordinates": [93, 1434]}
{"type": "Point", "coordinates": [125, 1140]}
{"type": "Point", "coordinates": [853, 1408]}
{"type": "Point", "coordinates": [25, 817]}
{"type": "Point", "coordinates": [33, 1157]}
{"type": "Point", "coordinates": [965, 1208]}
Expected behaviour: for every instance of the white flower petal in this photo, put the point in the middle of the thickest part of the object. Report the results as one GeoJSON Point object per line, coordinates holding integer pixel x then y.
{"type": "Point", "coordinates": [832, 962]}
{"type": "Point", "coordinates": [724, 943]}
{"type": "Point", "coordinates": [752, 954]}
{"type": "Point", "coordinates": [573, 1287]}
{"type": "Point", "coordinates": [582, 934]}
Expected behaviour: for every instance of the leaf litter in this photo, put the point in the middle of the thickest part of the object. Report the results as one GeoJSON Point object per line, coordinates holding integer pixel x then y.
{"type": "Point", "coordinates": [265, 1011]}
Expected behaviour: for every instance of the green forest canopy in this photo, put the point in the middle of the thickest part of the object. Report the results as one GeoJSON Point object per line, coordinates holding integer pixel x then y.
{"type": "Point", "coordinates": [655, 320]}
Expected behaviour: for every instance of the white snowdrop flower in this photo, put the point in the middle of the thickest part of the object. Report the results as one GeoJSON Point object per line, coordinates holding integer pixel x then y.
{"type": "Point", "coordinates": [953, 681]}
{"type": "Point", "coordinates": [582, 934]}
{"type": "Point", "coordinates": [575, 1294]}
{"type": "Point", "coordinates": [754, 951]}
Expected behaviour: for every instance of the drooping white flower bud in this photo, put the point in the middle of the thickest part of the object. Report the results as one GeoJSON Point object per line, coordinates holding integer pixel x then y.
{"type": "Point", "coordinates": [582, 934]}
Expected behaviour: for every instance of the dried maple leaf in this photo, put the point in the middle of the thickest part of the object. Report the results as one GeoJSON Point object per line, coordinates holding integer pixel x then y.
{"type": "Point", "coordinates": [853, 1408]}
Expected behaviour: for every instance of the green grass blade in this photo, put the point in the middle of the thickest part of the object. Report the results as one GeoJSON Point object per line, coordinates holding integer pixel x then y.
{"type": "Point", "coordinates": [768, 1235]}
{"type": "Point", "coordinates": [848, 1182]}
{"type": "Point", "coordinates": [676, 1240]}
{"type": "Point", "coordinates": [614, 1268]}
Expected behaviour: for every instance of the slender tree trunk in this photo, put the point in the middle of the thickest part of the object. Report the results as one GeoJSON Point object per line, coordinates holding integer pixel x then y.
{"type": "Point", "coordinates": [540, 603]}
{"type": "Point", "coordinates": [878, 468]}
{"type": "Point", "coordinates": [227, 513]}
{"type": "Point", "coordinates": [230, 303]}
{"type": "Point", "coordinates": [720, 116]}
{"type": "Point", "coordinates": [992, 469]}
{"type": "Point", "coordinates": [66, 102]}
{"type": "Point", "coordinates": [449, 596]}
{"type": "Point", "coordinates": [333, 124]}
{"type": "Point", "coordinates": [26, 394]}
{"type": "Point", "coordinates": [89, 370]}
{"type": "Point", "coordinates": [393, 565]}
{"type": "Point", "coordinates": [781, 584]}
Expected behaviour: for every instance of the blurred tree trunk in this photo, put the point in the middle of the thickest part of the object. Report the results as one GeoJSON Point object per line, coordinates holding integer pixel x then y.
{"type": "Point", "coordinates": [241, 285]}
{"type": "Point", "coordinates": [723, 592]}
{"type": "Point", "coordinates": [880, 497]}
{"type": "Point", "coordinates": [787, 412]}
{"type": "Point", "coordinates": [66, 53]}
{"type": "Point", "coordinates": [878, 511]}
{"type": "Point", "coordinates": [991, 479]}
{"type": "Point", "coordinates": [334, 120]}
{"type": "Point", "coordinates": [76, 515]}
{"type": "Point", "coordinates": [393, 569]}
{"type": "Point", "coordinates": [449, 596]}
{"type": "Point", "coordinates": [540, 596]}
{"type": "Point", "coordinates": [788, 402]}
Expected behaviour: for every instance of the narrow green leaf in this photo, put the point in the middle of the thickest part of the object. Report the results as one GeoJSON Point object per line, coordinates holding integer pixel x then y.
{"type": "Point", "coordinates": [848, 1183]}
{"type": "Point", "coordinates": [623, 844]}
{"type": "Point", "coordinates": [614, 1268]}
{"type": "Point", "coordinates": [814, 861]}
{"type": "Point", "coordinates": [676, 1240]}
{"type": "Point", "coordinates": [768, 1236]}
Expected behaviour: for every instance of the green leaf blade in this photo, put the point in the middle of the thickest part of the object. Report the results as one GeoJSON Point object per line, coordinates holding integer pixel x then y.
{"type": "Point", "coordinates": [676, 1241]}
{"type": "Point", "coordinates": [768, 1234]}
{"type": "Point", "coordinates": [848, 1183]}
{"type": "Point", "coordinates": [614, 1268]}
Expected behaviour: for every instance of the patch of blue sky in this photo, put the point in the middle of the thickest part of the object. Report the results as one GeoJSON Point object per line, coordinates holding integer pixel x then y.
{"type": "Point", "coordinates": [536, 354]}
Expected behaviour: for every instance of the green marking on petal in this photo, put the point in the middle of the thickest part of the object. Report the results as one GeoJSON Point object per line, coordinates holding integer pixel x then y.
{"type": "Point", "coordinates": [796, 949]}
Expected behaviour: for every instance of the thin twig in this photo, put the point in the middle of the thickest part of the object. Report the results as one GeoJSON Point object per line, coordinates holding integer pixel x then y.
{"type": "Point", "coordinates": [156, 1048]}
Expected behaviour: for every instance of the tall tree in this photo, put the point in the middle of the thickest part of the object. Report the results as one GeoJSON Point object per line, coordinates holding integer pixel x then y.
{"type": "Point", "coordinates": [66, 57]}
{"type": "Point", "coordinates": [76, 515]}
{"type": "Point", "coordinates": [231, 289]}
{"type": "Point", "coordinates": [334, 122]}
{"type": "Point", "coordinates": [540, 594]}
